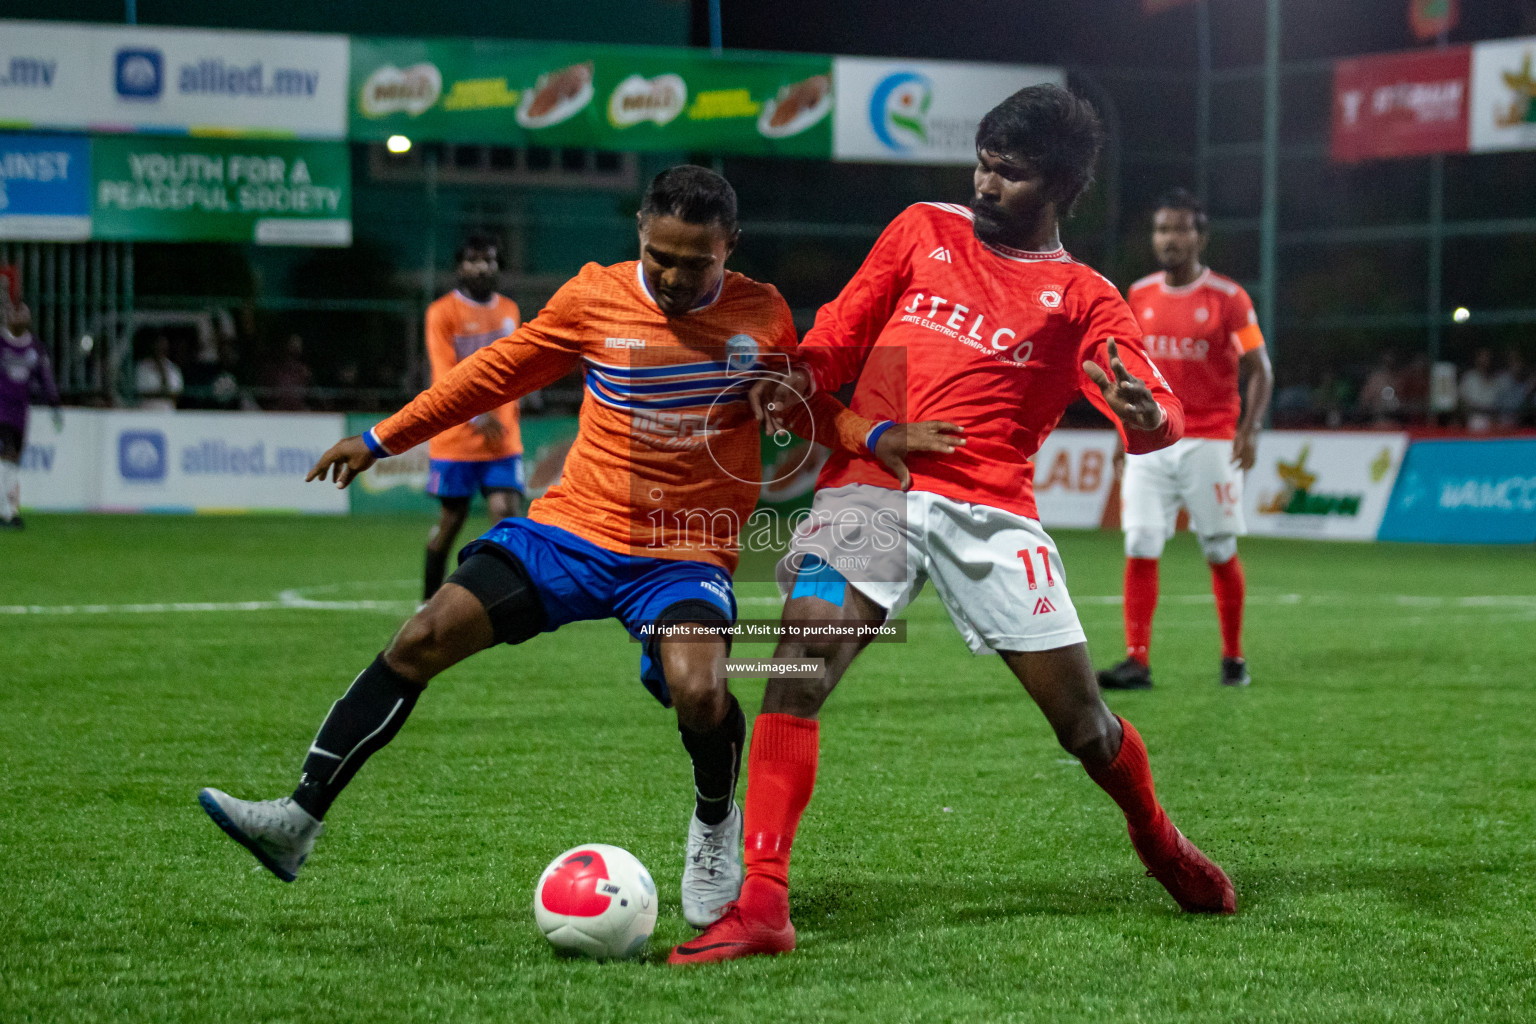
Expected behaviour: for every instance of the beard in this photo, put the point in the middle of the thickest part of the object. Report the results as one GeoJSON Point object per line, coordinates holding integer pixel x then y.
{"type": "Point", "coordinates": [478, 287]}
{"type": "Point", "coordinates": [995, 226]}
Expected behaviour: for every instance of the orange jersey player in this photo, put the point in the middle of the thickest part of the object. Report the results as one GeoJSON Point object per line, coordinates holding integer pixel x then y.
{"type": "Point", "coordinates": [1201, 329]}
{"type": "Point", "coordinates": [642, 527]}
{"type": "Point", "coordinates": [486, 453]}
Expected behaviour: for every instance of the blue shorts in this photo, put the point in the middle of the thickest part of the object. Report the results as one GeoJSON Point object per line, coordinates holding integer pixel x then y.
{"type": "Point", "coordinates": [449, 479]}
{"type": "Point", "coordinates": [577, 580]}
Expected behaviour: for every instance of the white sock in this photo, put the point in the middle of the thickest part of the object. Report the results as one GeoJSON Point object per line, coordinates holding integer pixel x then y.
{"type": "Point", "coordinates": [10, 489]}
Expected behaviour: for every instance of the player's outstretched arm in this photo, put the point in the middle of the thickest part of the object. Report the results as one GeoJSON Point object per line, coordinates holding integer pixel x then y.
{"type": "Point", "coordinates": [343, 460]}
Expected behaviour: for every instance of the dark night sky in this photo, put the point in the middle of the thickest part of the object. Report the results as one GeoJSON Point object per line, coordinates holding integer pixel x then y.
{"type": "Point", "coordinates": [1090, 32]}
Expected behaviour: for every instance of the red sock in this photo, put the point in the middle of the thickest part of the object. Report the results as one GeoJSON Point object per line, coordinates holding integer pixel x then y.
{"type": "Point", "coordinates": [1229, 586]}
{"type": "Point", "coordinates": [1140, 603]}
{"type": "Point", "coordinates": [1128, 780]}
{"type": "Point", "coordinates": [781, 773]}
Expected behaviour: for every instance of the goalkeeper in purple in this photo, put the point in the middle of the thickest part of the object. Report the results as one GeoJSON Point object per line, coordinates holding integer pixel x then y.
{"type": "Point", "coordinates": [24, 372]}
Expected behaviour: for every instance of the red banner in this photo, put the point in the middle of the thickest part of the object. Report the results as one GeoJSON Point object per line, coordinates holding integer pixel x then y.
{"type": "Point", "coordinates": [1401, 104]}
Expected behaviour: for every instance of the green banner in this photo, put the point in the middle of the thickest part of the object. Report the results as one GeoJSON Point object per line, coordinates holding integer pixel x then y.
{"type": "Point", "coordinates": [267, 191]}
{"type": "Point", "coordinates": [632, 98]}
{"type": "Point", "coordinates": [399, 483]}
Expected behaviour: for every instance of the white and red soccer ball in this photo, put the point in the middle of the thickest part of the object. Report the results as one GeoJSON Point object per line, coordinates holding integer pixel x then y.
{"type": "Point", "coordinates": [597, 900]}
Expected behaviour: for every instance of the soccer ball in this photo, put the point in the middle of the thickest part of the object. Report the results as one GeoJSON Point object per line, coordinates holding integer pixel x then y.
{"type": "Point", "coordinates": [596, 900]}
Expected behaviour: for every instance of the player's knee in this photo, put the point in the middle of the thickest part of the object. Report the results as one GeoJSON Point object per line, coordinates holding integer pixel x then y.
{"type": "Point", "coordinates": [428, 643]}
{"type": "Point", "coordinates": [1143, 543]}
{"type": "Point", "coordinates": [802, 698]}
{"type": "Point", "coordinates": [1219, 548]}
{"type": "Point", "coordinates": [1092, 737]}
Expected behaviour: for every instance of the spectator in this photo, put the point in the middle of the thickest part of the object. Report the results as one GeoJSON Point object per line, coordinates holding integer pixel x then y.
{"type": "Point", "coordinates": [1333, 397]}
{"type": "Point", "coordinates": [1479, 392]}
{"type": "Point", "coordinates": [158, 378]}
{"type": "Point", "coordinates": [1413, 389]}
{"type": "Point", "coordinates": [1511, 388]}
{"type": "Point", "coordinates": [1294, 404]}
{"type": "Point", "coordinates": [1380, 398]}
{"type": "Point", "coordinates": [291, 378]}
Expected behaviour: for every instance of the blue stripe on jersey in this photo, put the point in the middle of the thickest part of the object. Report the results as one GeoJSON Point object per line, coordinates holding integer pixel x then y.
{"type": "Point", "coordinates": [734, 393]}
{"type": "Point", "coordinates": [675, 370]}
{"type": "Point", "coordinates": [702, 385]}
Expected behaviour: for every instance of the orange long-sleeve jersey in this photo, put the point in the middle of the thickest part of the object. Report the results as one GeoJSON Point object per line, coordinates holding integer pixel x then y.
{"type": "Point", "coordinates": [457, 328]}
{"type": "Point", "coordinates": [666, 461]}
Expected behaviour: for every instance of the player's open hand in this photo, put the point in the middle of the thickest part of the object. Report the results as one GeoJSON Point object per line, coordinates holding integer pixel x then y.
{"type": "Point", "coordinates": [1130, 399]}
{"type": "Point", "coordinates": [343, 460]}
{"type": "Point", "coordinates": [903, 439]}
{"type": "Point", "coordinates": [1245, 450]}
{"type": "Point", "coordinates": [771, 398]}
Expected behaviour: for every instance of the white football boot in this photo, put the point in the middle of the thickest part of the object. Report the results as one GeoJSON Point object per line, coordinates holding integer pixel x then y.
{"type": "Point", "coordinates": [711, 869]}
{"type": "Point", "coordinates": [279, 832]}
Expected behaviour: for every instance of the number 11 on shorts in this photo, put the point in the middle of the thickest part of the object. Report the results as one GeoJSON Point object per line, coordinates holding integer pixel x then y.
{"type": "Point", "coordinates": [1029, 565]}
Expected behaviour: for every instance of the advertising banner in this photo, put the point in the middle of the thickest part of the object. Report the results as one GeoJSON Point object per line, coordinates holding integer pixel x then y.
{"type": "Point", "coordinates": [399, 483]}
{"type": "Point", "coordinates": [45, 74]}
{"type": "Point", "coordinates": [1401, 104]}
{"type": "Point", "coordinates": [922, 111]}
{"type": "Point", "coordinates": [1465, 492]}
{"type": "Point", "coordinates": [45, 187]}
{"type": "Point", "coordinates": [1503, 111]}
{"type": "Point", "coordinates": [174, 80]}
{"type": "Point", "coordinates": [635, 98]}
{"type": "Point", "coordinates": [1074, 471]}
{"type": "Point", "coordinates": [1326, 486]}
{"type": "Point", "coordinates": [61, 469]}
{"type": "Point", "coordinates": [207, 462]}
{"type": "Point", "coordinates": [269, 191]}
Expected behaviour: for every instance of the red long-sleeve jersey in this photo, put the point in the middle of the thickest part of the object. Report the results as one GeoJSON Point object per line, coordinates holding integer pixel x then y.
{"type": "Point", "coordinates": [937, 325]}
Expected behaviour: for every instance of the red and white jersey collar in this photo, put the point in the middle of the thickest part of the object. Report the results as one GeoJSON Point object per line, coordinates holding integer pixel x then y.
{"type": "Point", "coordinates": [1183, 289]}
{"type": "Point", "coordinates": [1007, 252]}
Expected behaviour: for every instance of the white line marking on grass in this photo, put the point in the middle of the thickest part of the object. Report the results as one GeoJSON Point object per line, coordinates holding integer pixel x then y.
{"type": "Point", "coordinates": [293, 599]}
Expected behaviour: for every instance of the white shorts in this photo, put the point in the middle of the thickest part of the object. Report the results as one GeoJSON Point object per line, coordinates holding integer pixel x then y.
{"type": "Point", "coordinates": [998, 573]}
{"type": "Point", "coordinates": [1195, 472]}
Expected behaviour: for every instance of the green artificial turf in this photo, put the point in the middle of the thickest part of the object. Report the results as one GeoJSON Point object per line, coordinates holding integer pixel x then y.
{"type": "Point", "coordinates": [1371, 795]}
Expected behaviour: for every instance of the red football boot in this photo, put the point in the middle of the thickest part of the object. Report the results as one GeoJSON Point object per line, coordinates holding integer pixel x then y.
{"type": "Point", "coordinates": [1191, 878]}
{"type": "Point", "coordinates": [733, 937]}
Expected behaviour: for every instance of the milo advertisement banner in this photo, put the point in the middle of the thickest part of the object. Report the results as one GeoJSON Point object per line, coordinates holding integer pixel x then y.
{"type": "Point", "coordinates": [267, 191]}
{"type": "Point", "coordinates": [576, 95]}
{"type": "Point", "coordinates": [399, 483]}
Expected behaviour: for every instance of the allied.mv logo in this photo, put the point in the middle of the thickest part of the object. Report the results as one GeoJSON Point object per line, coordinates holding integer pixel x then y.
{"type": "Point", "coordinates": [140, 74]}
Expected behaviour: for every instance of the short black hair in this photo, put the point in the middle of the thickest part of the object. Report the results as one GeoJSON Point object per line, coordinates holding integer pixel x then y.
{"type": "Point", "coordinates": [1184, 199]}
{"type": "Point", "coordinates": [478, 242]}
{"type": "Point", "coordinates": [1057, 131]}
{"type": "Point", "coordinates": [696, 195]}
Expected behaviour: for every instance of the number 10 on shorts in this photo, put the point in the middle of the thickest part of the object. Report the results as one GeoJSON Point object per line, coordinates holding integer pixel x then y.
{"type": "Point", "coordinates": [1029, 566]}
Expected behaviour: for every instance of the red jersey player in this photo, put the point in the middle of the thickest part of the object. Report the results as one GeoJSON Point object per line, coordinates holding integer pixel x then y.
{"type": "Point", "coordinates": [485, 454]}
{"type": "Point", "coordinates": [1201, 329]}
{"type": "Point", "coordinates": [642, 527]}
{"type": "Point", "coordinates": [975, 316]}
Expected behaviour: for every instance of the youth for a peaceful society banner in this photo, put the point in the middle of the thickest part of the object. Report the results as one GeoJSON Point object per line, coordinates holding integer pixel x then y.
{"type": "Point", "coordinates": [517, 93]}
{"type": "Point", "coordinates": [267, 191]}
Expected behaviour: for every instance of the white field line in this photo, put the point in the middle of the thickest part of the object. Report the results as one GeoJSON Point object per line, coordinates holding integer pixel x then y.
{"type": "Point", "coordinates": [294, 600]}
